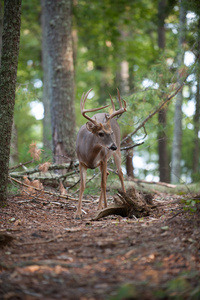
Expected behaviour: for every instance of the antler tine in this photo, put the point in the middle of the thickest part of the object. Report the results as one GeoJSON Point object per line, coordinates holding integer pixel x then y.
{"type": "Point", "coordinates": [119, 111]}
{"type": "Point", "coordinates": [119, 98]}
{"type": "Point", "coordinates": [81, 103]}
{"type": "Point", "coordinates": [84, 98]}
{"type": "Point", "coordinates": [84, 111]}
{"type": "Point", "coordinates": [113, 105]}
{"type": "Point", "coordinates": [120, 102]}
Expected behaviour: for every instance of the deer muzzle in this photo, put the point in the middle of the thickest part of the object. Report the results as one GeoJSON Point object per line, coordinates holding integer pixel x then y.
{"type": "Point", "coordinates": [113, 147]}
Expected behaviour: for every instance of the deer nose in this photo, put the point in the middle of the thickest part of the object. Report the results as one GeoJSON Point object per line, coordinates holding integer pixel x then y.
{"type": "Point", "coordinates": [113, 147]}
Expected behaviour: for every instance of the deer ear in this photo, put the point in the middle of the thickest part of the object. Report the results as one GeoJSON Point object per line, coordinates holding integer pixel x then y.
{"type": "Point", "coordinates": [90, 126]}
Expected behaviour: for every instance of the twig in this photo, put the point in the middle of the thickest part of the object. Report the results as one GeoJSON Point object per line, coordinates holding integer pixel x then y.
{"type": "Point", "coordinates": [95, 175]}
{"type": "Point", "coordinates": [174, 216]}
{"type": "Point", "coordinates": [131, 146]}
{"type": "Point", "coordinates": [21, 164]}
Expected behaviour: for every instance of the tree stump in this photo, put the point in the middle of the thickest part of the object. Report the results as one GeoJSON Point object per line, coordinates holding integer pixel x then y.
{"type": "Point", "coordinates": [129, 204]}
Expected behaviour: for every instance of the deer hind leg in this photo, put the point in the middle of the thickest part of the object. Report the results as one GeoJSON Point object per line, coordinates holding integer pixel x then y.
{"type": "Point", "coordinates": [117, 159]}
{"type": "Point", "coordinates": [103, 168]}
{"type": "Point", "coordinates": [83, 174]}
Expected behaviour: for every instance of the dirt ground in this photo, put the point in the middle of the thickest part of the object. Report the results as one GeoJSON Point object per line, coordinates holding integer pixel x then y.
{"type": "Point", "coordinates": [46, 254]}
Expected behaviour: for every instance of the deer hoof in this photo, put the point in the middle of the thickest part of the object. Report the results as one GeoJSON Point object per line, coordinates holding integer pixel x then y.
{"type": "Point", "coordinates": [78, 217]}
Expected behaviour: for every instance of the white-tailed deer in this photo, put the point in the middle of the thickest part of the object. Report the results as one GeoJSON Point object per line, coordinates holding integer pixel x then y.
{"type": "Point", "coordinates": [96, 141]}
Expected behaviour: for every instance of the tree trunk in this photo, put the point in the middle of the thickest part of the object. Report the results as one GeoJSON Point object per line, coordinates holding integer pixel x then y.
{"type": "Point", "coordinates": [61, 70]}
{"type": "Point", "coordinates": [197, 113]}
{"type": "Point", "coordinates": [196, 128]}
{"type": "Point", "coordinates": [177, 138]}
{"type": "Point", "coordinates": [125, 89]}
{"type": "Point", "coordinates": [47, 134]}
{"type": "Point", "coordinates": [8, 73]}
{"type": "Point", "coordinates": [1, 29]}
{"type": "Point", "coordinates": [124, 77]}
{"type": "Point", "coordinates": [162, 147]}
{"type": "Point", "coordinates": [162, 114]}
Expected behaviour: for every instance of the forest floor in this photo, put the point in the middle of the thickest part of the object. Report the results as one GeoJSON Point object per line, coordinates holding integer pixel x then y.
{"type": "Point", "coordinates": [46, 254]}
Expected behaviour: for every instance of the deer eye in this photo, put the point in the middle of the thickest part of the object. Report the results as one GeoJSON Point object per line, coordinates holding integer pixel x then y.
{"type": "Point", "coordinates": [101, 134]}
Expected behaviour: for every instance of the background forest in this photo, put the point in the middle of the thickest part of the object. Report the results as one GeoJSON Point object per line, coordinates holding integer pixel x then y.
{"type": "Point", "coordinates": [145, 48]}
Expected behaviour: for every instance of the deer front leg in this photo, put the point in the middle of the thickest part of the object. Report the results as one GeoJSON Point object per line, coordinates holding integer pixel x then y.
{"type": "Point", "coordinates": [103, 168]}
{"type": "Point", "coordinates": [83, 174]}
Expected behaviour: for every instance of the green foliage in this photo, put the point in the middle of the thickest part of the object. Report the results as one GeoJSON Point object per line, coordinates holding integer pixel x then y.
{"type": "Point", "coordinates": [28, 128]}
{"type": "Point", "coordinates": [191, 205]}
{"type": "Point", "coordinates": [107, 35]}
{"type": "Point", "coordinates": [184, 286]}
{"type": "Point", "coordinates": [126, 291]}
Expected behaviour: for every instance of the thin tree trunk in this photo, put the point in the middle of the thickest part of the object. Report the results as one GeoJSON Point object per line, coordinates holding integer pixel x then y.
{"type": "Point", "coordinates": [177, 137]}
{"type": "Point", "coordinates": [124, 77]}
{"type": "Point", "coordinates": [162, 114]}
{"type": "Point", "coordinates": [196, 128]}
{"type": "Point", "coordinates": [47, 134]}
{"type": "Point", "coordinates": [61, 68]}
{"type": "Point", "coordinates": [124, 89]}
{"type": "Point", "coordinates": [8, 74]}
{"type": "Point", "coordinates": [197, 113]}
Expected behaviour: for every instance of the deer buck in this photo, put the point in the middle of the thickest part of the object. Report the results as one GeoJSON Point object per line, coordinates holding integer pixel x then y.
{"type": "Point", "coordinates": [97, 141]}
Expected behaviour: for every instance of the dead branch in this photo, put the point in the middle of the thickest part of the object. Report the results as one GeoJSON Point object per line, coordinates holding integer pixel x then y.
{"type": "Point", "coordinates": [22, 164]}
{"type": "Point", "coordinates": [43, 191]}
{"type": "Point", "coordinates": [50, 168]}
{"type": "Point", "coordinates": [154, 112]}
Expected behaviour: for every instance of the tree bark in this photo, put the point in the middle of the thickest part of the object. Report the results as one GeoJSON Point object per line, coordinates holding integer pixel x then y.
{"type": "Point", "coordinates": [196, 128]}
{"type": "Point", "coordinates": [197, 113]}
{"type": "Point", "coordinates": [162, 114]}
{"type": "Point", "coordinates": [47, 134]}
{"type": "Point", "coordinates": [124, 89]}
{"type": "Point", "coordinates": [61, 70]}
{"type": "Point", "coordinates": [1, 29]}
{"type": "Point", "coordinates": [129, 158]}
{"type": "Point", "coordinates": [8, 73]}
{"type": "Point", "coordinates": [177, 137]}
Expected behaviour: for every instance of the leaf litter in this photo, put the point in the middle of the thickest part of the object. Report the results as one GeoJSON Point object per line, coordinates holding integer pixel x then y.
{"type": "Point", "coordinates": [46, 254]}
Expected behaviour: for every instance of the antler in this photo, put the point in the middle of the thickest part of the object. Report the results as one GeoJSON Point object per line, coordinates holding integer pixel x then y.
{"type": "Point", "coordinates": [84, 111]}
{"type": "Point", "coordinates": [119, 111]}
